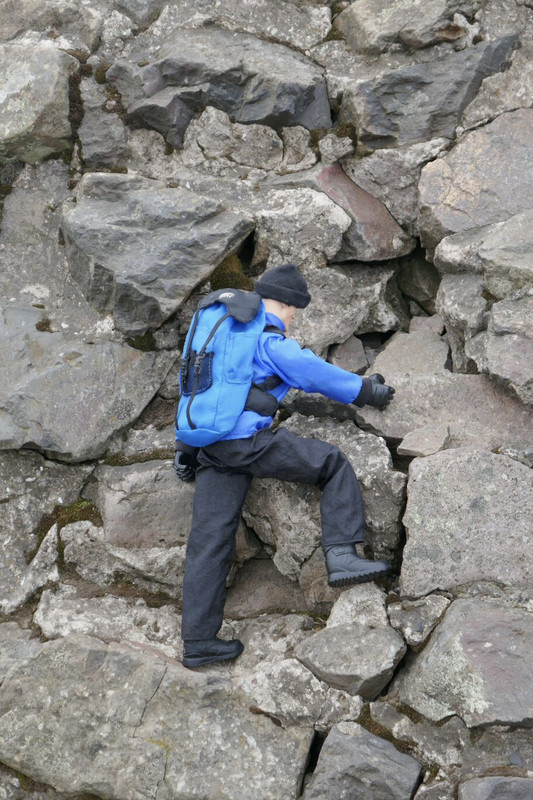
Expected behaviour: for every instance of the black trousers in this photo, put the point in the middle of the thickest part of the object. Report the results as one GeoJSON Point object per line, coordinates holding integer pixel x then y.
{"type": "Point", "coordinates": [222, 481]}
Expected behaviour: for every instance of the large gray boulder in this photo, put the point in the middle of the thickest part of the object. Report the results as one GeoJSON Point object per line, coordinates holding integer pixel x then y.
{"type": "Point", "coordinates": [34, 103]}
{"type": "Point", "coordinates": [421, 101]}
{"type": "Point", "coordinates": [73, 26]}
{"type": "Point", "coordinates": [373, 26]}
{"type": "Point", "coordinates": [287, 515]}
{"type": "Point", "coordinates": [458, 192]}
{"type": "Point", "coordinates": [476, 665]}
{"type": "Point", "coordinates": [65, 396]}
{"type": "Point", "coordinates": [500, 253]}
{"type": "Point", "coordinates": [127, 725]}
{"type": "Point", "coordinates": [355, 763]}
{"type": "Point", "coordinates": [468, 516]}
{"type": "Point", "coordinates": [373, 234]}
{"type": "Point", "coordinates": [33, 489]}
{"type": "Point", "coordinates": [251, 80]}
{"type": "Point", "coordinates": [138, 249]}
{"type": "Point", "coordinates": [478, 412]}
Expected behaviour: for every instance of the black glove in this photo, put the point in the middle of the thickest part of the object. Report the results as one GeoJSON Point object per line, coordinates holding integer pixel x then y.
{"type": "Point", "coordinates": [185, 466]}
{"type": "Point", "coordinates": [374, 392]}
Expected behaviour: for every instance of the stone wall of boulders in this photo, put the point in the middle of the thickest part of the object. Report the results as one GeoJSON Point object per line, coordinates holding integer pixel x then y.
{"type": "Point", "coordinates": [149, 152]}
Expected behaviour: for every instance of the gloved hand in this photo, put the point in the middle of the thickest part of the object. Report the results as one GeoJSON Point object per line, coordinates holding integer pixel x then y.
{"type": "Point", "coordinates": [185, 466]}
{"type": "Point", "coordinates": [374, 392]}
{"type": "Point", "coordinates": [381, 393]}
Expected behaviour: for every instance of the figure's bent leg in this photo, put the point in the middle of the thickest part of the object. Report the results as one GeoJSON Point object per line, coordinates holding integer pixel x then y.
{"type": "Point", "coordinates": [218, 501]}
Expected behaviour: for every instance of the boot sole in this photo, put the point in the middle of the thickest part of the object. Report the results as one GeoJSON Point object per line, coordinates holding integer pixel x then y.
{"type": "Point", "coordinates": [199, 661]}
{"type": "Point", "coordinates": [349, 580]}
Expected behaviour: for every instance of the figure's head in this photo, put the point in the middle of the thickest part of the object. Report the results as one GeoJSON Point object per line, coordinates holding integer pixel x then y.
{"type": "Point", "coordinates": [285, 284]}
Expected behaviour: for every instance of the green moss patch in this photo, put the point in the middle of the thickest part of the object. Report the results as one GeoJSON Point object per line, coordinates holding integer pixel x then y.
{"type": "Point", "coordinates": [230, 275]}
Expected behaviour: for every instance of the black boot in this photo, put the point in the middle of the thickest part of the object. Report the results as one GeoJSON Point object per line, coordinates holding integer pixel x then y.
{"type": "Point", "coordinates": [345, 567]}
{"type": "Point", "coordinates": [197, 652]}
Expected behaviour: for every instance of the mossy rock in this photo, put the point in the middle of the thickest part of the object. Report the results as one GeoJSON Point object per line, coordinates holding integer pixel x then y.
{"type": "Point", "coordinates": [230, 275]}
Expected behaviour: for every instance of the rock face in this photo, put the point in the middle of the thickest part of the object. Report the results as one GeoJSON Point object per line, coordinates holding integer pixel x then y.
{"type": "Point", "coordinates": [487, 540]}
{"type": "Point", "coordinates": [163, 751]}
{"type": "Point", "coordinates": [34, 102]}
{"type": "Point", "coordinates": [396, 109]}
{"type": "Point", "coordinates": [459, 671]}
{"type": "Point", "coordinates": [150, 153]}
{"type": "Point", "coordinates": [234, 72]}
{"type": "Point", "coordinates": [142, 273]}
{"type": "Point", "coordinates": [446, 203]}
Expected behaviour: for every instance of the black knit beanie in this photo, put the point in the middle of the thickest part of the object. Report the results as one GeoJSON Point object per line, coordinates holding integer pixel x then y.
{"type": "Point", "coordinates": [284, 283]}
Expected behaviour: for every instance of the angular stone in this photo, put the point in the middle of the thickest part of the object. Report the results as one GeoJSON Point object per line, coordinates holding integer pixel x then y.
{"type": "Point", "coordinates": [286, 22]}
{"type": "Point", "coordinates": [44, 407]}
{"type": "Point", "coordinates": [348, 299]}
{"type": "Point", "coordinates": [503, 92]}
{"type": "Point", "coordinates": [373, 234]}
{"type": "Point", "coordinates": [314, 583]}
{"type": "Point", "coordinates": [287, 515]}
{"type": "Point", "coordinates": [353, 657]}
{"type": "Point", "coordinates": [364, 604]}
{"type": "Point", "coordinates": [415, 619]}
{"type": "Point", "coordinates": [288, 692]}
{"type": "Point", "coordinates": [31, 489]}
{"type": "Point", "coordinates": [478, 412]}
{"type": "Point", "coordinates": [249, 79]}
{"type": "Point", "coordinates": [111, 619]}
{"type": "Point", "coordinates": [499, 253]}
{"type": "Point", "coordinates": [102, 133]}
{"type": "Point", "coordinates": [467, 518]}
{"type": "Point", "coordinates": [392, 175]}
{"type": "Point", "coordinates": [505, 351]}
{"type": "Point", "coordinates": [41, 571]}
{"type": "Point", "coordinates": [34, 103]}
{"type": "Point", "coordinates": [355, 763]}
{"type": "Point", "coordinates": [154, 569]}
{"type": "Point", "coordinates": [143, 272]}
{"type": "Point", "coordinates": [75, 28]}
{"type": "Point", "coordinates": [16, 646]}
{"type": "Point", "coordinates": [215, 143]}
{"type": "Point", "coordinates": [332, 148]}
{"type": "Point", "coordinates": [438, 790]}
{"type": "Point", "coordinates": [425, 441]}
{"type": "Point", "coordinates": [496, 787]}
{"type": "Point", "coordinates": [349, 355]}
{"type": "Point", "coordinates": [126, 722]}
{"type": "Point", "coordinates": [463, 307]}
{"type": "Point", "coordinates": [457, 192]}
{"type": "Point", "coordinates": [270, 637]}
{"type": "Point", "coordinates": [476, 665]}
{"type": "Point", "coordinates": [301, 226]}
{"type": "Point", "coordinates": [373, 26]}
{"type": "Point", "coordinates": [421, 101]}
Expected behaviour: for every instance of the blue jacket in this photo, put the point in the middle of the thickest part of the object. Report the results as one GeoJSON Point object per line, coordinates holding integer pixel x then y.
{"type": "Point", "coordinates": [298, 368]}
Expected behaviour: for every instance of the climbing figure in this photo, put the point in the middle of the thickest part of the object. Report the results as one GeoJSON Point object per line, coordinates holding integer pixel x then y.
{"type": "Point", "coordinates": [223, 445]}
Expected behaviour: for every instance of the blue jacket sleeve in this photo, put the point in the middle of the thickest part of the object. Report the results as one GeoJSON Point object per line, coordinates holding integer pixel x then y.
{"type": "Point", "coordinates": [302, 369]}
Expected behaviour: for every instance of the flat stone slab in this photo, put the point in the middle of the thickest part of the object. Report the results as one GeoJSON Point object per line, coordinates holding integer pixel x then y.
{"type": "Point", "coordinates": [16, 645]}
{"type": "Point", "coordinates": [468, 518]}
{"type": "Point", "coordinates": [355, 763]}
{"type": "Point", "coordinates": [476, 665]}
{"type": "Point", "coordinates": [130, 725]}
{"type": "Point", "coordinates": [138, 249]}
{"type": "Point", "coordinates": [65, 396]}
{"type": "Point", "coordinates": [457, 192]}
